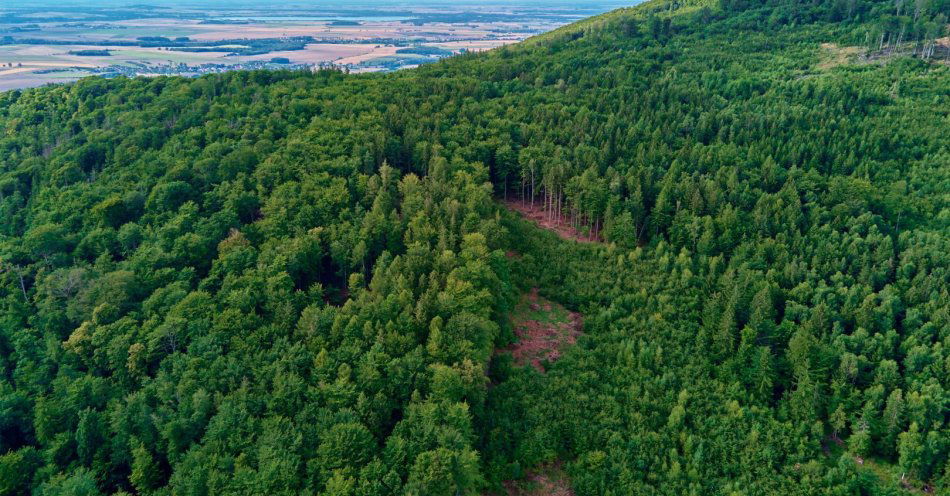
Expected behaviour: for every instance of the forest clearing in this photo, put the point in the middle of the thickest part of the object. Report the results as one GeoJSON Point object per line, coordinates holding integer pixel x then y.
{"type": "Point", "coordinates": [562, 226]}
{"type": "Point", "coordinates": [544, 330]}
{"type": "Point", "coordinates": [548, 480]}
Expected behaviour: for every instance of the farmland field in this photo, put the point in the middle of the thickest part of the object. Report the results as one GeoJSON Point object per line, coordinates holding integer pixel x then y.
{"type": "Point", "coordinates": [40, 45]}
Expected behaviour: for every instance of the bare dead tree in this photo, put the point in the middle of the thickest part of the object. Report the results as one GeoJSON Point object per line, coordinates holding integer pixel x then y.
{"type": "Point", "coordinates": [70, 283]}
{"type": "Point", "coordinates": [18, 271]}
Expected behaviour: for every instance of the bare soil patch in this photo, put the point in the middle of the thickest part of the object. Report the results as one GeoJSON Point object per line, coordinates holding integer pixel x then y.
{"type": "Point", "coordinates": [544, 329]}
{"type": "Point", "coordinates": [563, 226]}
{"type": "Point", "coordinates": [547, 480]}
{"type": "Point", "coordinates": [837, 55]}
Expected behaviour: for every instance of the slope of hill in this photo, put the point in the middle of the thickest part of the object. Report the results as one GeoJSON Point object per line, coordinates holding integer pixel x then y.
{"type": "Point", "coordinates": [294, 283]}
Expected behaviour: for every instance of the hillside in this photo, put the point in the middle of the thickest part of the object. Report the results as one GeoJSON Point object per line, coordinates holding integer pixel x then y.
{"type": "Point", "coordinates": [308, 283]}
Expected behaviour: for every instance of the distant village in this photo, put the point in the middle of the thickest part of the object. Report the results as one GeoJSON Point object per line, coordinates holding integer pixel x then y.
{"type": "Point", "coordinates": [133, 69]}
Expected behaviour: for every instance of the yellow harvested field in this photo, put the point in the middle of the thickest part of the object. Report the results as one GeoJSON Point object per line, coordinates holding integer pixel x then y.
{"type": "Point", "coordinates": [316, 53]}
{"type": "Point", "coordinates": [376, 52]}
{"type": "Point", "coordinates": [59, 64]}
{"type": "Point", "coordinates": [15, 70]}
{"type": "Point", "coordinates": [234, 32]}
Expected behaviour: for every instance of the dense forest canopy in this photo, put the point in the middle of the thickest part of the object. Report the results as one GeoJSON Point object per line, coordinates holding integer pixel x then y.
{"type": "Point", "coordinates": [294, 282]}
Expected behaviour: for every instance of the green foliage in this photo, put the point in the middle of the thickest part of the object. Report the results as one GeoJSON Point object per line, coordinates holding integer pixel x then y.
{"type": "Point", "coordinates": [293, 283]}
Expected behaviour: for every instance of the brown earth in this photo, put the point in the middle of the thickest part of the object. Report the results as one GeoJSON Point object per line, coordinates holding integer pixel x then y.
{"type": "Point", "coordinates": [547, 480]}
{"type": "Point", "coordinates": [835, 55]}
{"type": "Point", "coordinates": [537, 215]}
{"type": "Point", "coordinates": [544, 329]}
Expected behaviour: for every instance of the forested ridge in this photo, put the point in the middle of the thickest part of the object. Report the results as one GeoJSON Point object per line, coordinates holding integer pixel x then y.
{"type": "Point", "coordinates": [295, 282]}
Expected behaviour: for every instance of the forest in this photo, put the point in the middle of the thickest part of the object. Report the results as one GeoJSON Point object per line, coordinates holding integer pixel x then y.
{"type": "Point", "coordinates": [303, 282]}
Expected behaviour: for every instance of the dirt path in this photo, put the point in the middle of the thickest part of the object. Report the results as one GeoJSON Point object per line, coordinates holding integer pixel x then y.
{"type": "Point", "coordinates": [544, 329]}
{"type": "Point", "coordinates": [536, 214]}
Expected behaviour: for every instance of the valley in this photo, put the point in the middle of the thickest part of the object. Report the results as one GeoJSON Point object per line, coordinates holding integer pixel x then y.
{"type": "Point", "coordinates": [39, 46]}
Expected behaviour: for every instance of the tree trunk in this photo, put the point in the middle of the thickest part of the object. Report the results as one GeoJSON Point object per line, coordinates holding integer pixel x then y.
{"type": "Point", "coordinates": [19, 273]}
{"type": "Point", "coordinates": [532, 188]}
{"type": "Point", "coordinates": [548, 200]}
